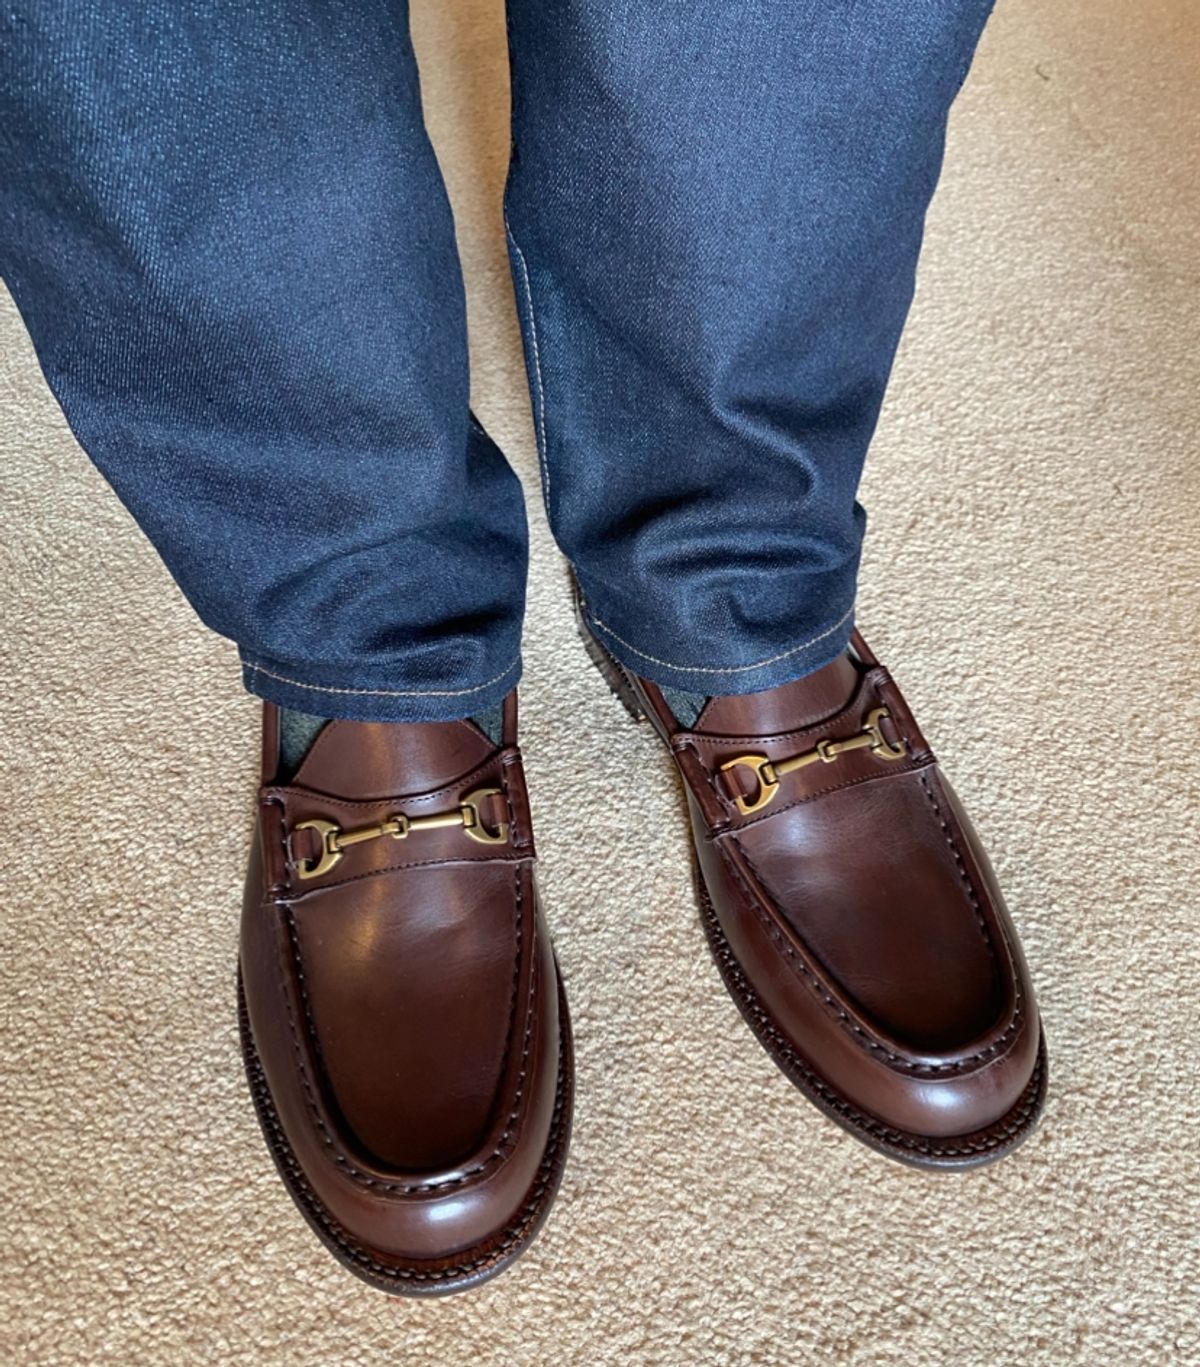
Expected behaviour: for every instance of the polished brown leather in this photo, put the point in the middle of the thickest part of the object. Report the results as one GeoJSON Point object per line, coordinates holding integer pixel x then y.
{"type": "Point", "coordinates": [406, 1036]}
{"type": "Point", "coordinates": [854, 916]}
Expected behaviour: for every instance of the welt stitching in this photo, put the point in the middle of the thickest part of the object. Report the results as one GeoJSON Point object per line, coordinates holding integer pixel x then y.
{"type": "Point", "coordinates": [765, 1027]}
{"type": "Point", "coordinates": [514, 1234]}
{"type": "Point", "coordinates": [860, 1036]}
{"type": "Point", "coordinates": [412, 1188]}
{"type": "Point", "coordinates": [254, 668]}
{"type": "Point", "coordinates": [962, 868]}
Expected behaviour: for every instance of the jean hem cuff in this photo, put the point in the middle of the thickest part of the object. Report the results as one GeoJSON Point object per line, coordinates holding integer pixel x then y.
{"type": "Point", "coordinates": [780, 667]}
{"type": "Point", "coordinates": [351, 703]}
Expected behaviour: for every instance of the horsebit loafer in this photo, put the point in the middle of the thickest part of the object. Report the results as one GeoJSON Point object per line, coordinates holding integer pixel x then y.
{"type": "Point", "coordinates": [403, 1023]}
{"type": "Point", "coordinates": [852, 913]}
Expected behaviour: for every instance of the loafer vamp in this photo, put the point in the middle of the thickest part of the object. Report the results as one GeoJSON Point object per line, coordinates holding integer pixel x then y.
{"type": "Point", "coordinates": [873, 882]}
{"type": "Point", "coordinates": [411, 992]}
{"type": "Point", "coordinates": [852, 911]}
{"type": "Point", "coordinates": [404, 1025]}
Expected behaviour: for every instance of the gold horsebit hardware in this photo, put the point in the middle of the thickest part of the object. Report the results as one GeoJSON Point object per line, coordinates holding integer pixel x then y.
{"type": "Point", "coordinates": [769, 772]}
{"type": "Point", "coordinates": [335, 841]}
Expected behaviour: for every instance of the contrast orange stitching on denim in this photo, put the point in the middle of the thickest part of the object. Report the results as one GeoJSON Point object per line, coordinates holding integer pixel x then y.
{"type": "Point", "coordinates": [539, 385]}
{"type": "Point", "coordinates": [720, 669]}
{"type": "Point", "coordinates": [385, 692]}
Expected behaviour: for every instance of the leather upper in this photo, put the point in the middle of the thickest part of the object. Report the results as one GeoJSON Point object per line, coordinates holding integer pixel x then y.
{"type": "Point", "coordinates": [860, 906]}
{"type": "Point", "coordinates": [404, 1003]}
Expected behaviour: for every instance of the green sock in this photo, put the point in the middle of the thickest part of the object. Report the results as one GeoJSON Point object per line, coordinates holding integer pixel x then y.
{"type": "Point", "coordinates": [686, 706]}
{"type": "Point", "coordinates": [298, 731]}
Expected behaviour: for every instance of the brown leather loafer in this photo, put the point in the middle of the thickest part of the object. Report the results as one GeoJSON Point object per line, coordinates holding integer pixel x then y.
{"type": "Point", "coordinates": [853, 914]}
{"type": "Point", "coordinates": [403, 1021]}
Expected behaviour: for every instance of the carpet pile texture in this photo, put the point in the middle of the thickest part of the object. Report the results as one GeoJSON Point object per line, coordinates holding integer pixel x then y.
{"type": "Point", "coordinates": [1031, 575]}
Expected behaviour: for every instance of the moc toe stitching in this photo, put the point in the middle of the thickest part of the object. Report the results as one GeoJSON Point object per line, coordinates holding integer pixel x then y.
{"type": "Point", "coordinates": [964, 1150]}
{"type": "Point", "coordinates": [433, 1275]}
{"type": "Point", "coordinates": [502, 1145]}
{"type": "Point", "coordinates": [407, 1042]}
{"type": "Point", "coordinates": [782, 936]}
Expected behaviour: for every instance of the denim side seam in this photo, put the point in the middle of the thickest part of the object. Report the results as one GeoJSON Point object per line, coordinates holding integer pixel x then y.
{"type": "Point", "coordinates": [536, 356]}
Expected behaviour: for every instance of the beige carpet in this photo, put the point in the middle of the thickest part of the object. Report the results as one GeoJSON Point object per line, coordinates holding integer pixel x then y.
{"type": "Point", "coordinates": [1031, 573]}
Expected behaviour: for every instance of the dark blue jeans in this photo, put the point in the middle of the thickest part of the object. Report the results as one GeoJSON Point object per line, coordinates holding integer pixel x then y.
{"type": "Point", "coordinates": [225, 227]}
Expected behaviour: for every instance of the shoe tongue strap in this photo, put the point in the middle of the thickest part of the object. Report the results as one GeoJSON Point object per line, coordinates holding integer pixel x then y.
{"type": "Point", "coordinates": [790, 707]}
{"type": "Point", "coordinates": [373, 760]}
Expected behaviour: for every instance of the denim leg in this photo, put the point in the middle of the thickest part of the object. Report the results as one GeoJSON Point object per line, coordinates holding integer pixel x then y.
{"type": "Point", "coordinates": [224, 225]}
{"type": "Point", "coordinates": [715, 213]}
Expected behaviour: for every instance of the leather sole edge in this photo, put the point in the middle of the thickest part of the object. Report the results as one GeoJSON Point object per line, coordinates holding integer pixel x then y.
{"type": "Point", "coordinates": [956, 1153]}
{"type": "Point", "coordinates": [444, 1276]}
{"type": "Point", "coordinates": [953, 1153]}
